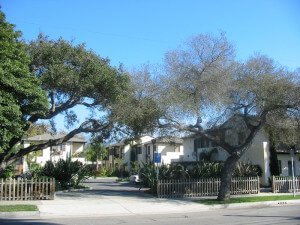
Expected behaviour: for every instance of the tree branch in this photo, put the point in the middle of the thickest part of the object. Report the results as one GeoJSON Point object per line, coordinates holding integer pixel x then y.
{"type": "Point", "coordinates": [87, 126]}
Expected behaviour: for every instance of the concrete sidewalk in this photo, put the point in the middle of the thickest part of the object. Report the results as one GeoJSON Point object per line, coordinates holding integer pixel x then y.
{"type": "Point", "coordinates": [144, 204]}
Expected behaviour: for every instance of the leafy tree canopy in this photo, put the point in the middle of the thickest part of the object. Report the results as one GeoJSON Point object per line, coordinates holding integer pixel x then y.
{"type": "Point", "coordinates": [56, 77]}
{"type": "Point", "coordinates": [202, 86]}
{"type": "Point", "coordinates": [21, 96]}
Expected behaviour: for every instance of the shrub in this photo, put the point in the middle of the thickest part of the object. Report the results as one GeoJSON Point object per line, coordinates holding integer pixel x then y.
{"type": "Point", "coordinates": [247, 170]}
{"type": "Point", "coordinates": [8, 172]}
{"type": "Point", "coordinates": [67, 173]}
{"type": "Point", "coordinates": [134, 167]}
{"type": "Point", "coordinates": [148, 176]}
{"type": "Point", "coordinates": [206, 170]}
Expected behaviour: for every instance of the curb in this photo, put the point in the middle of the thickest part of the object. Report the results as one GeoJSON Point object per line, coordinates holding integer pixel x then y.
{"type": "Point", "coordinates": [21, 214]}
{"type": "Point", "coordinates": [255, 204]}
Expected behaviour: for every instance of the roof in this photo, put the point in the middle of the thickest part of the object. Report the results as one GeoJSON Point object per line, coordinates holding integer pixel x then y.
{"type": "Point", "coordinates": [118, 144]}
{"type": "Point", "coordinates": [48, 136]}
{"type": "Point", "coordinates": [166, 139]}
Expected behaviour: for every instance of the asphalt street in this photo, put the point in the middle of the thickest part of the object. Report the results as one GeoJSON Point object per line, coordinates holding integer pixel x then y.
{"type": "Point", "coordinates": [288, 214]}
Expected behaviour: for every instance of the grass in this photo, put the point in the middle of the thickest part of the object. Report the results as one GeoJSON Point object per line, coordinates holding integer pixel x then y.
{"type": "Point", "coordinates": [18, 208]}
{"type": "Point", "coordinates": [248, 199]}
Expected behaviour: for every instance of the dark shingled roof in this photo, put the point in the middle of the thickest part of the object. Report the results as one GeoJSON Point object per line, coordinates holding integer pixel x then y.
{"type": "Point", "coordinates": [47, 136]}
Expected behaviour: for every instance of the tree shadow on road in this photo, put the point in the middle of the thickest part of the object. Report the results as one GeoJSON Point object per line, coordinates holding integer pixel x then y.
{"type": "Point", "coordinates": [24, 222]}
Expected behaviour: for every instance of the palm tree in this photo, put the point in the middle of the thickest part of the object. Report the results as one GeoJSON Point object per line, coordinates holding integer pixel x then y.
{"type": "Point", "coordinates": [95, 151]}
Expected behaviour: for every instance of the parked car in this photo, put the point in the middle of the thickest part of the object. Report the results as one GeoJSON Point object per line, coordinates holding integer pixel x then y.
{"type": "Point", "coordinates": [135, 179]}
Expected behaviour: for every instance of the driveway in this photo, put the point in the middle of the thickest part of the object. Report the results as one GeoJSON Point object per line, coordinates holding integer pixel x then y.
{"type": "Point", "coordinates": [108, 197]}
{"type": "Point", "coordinates": [102, 188]}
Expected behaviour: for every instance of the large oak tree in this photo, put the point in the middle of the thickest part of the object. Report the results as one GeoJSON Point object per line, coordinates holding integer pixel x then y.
{"type": "Point", "coordinates": [203, 86]}
{"type": "Point", "coordinates": [53, 77]}
{"type": "Point", "coordinates": [21, 96]}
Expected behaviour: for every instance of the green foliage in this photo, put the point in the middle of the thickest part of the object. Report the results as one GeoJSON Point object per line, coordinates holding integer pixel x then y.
{"type": "Point", "coordinates": [135, 167]}
{"type": "Point", "coordinates": [248, 199]}
{"type": "Point", "coordinates": [38, 129]}
{"type": "Point", "coordinates": [206, 170]}
{"type": "Point", "coordinates": [74, 71]}
{"type": "Point", "coordinates": [148, 176]}
{"type": "Point", "coordinates": [56, 73]}
{"type": "Point", "coordinates": [49, 169]}
{"type": "Point", "coordinates": [206, 156]}
{"type": "Point", "coordinates": [8, 172]}
{"type": "Point", "coordinates": [103, 172]}
{"type": "Point", "coordinates": [137, 109]}
{"type": "Point", "coordinates": [247, 170]}
{"type": "Point", "coordinates": [66, 172]}
{"type": "Point", "coordinates": [20, 93]}
{"type": "Point", "coordinates": [18, 208]}
{"type": "Point", "coordinates": [95, 151]}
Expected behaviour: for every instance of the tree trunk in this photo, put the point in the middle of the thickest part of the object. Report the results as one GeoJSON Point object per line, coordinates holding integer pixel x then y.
{"type": "Point", "coordinates": [230, 164]}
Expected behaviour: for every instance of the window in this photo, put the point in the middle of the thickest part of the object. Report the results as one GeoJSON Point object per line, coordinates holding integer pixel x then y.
{"type": "Point", "coordinates": [290, 168]}
{"type": "Point", "coordinates": [202, 143]}
{"type": "Point", "coordinates": [177, 148]}
{"type": "Point", "coordinates": [148, 150]}
{"type": "Point", "coordinates": [139, 150]}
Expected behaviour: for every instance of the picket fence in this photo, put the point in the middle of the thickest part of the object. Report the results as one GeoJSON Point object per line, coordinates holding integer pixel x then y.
{"type": "Point", "coordinates": [285, 184]}
{"type": "Point", "coordinates": [22, 190]}
{"type": "Point", "coordinates": [205, 187]}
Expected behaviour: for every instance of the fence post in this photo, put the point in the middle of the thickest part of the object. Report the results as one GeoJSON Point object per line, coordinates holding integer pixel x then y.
{"type": "Point", "coordinates": [53, 188]}
{"type": "Point", "coordinates": [273, 184]}
{"type": "Point", "coordinates": [158, 188]}
{"type": "Point", "coordinates": [1, 191]}
{"type": "Point", "coordinates": [258, 185]}
{"type": "Point", "coordinates": [14, 190]}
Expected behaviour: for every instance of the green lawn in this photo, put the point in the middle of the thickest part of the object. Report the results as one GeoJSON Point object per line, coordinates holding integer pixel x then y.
{"type": "Point", "coordinates": [249, 199]}
{"type": "Point", "coordinates": [17, 208]}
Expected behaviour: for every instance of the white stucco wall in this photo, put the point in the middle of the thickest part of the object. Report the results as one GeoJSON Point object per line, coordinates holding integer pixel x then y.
{"type": "Point", "coordinates": [69, 148]}
{"type": "Point", "coordinates": [188, 147]}
{"type": "Point", "coordinates": [285, 158]}
{"type": "Point", "coordinates": [257, 154]}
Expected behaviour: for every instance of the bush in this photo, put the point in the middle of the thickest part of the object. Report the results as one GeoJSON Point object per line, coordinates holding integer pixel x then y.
{"type": "Point", "coordinates": [148, 176]}
{"type": "Point", "coordinates": [104, 172]}
{"type": "Point", "coordinates": [134, 167]}
{"type": "Point", "coordinates": [247, 170]}
{"type": "Point", "coordinates": [206, 170]}
{"type": "Point", "coordinates": [8, 172]}
{"type": "Point", "coordinates": [67, 173]}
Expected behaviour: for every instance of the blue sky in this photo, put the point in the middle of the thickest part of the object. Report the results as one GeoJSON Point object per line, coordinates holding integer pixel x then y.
{"type": "Point", "coordinates": [134, 32]}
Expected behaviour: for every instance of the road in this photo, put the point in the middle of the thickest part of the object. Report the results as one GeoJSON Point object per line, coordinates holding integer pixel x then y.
{"type": "Point", "coordinates": [288, 214]}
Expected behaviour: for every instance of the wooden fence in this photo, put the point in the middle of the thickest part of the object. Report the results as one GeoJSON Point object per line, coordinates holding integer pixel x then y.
{"type": "Point", "coordinates": [22, 190]}
{"type": "Point", "coordinates": [285, 184]}
{"type": "Point", "coordinates": [205, 187]}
